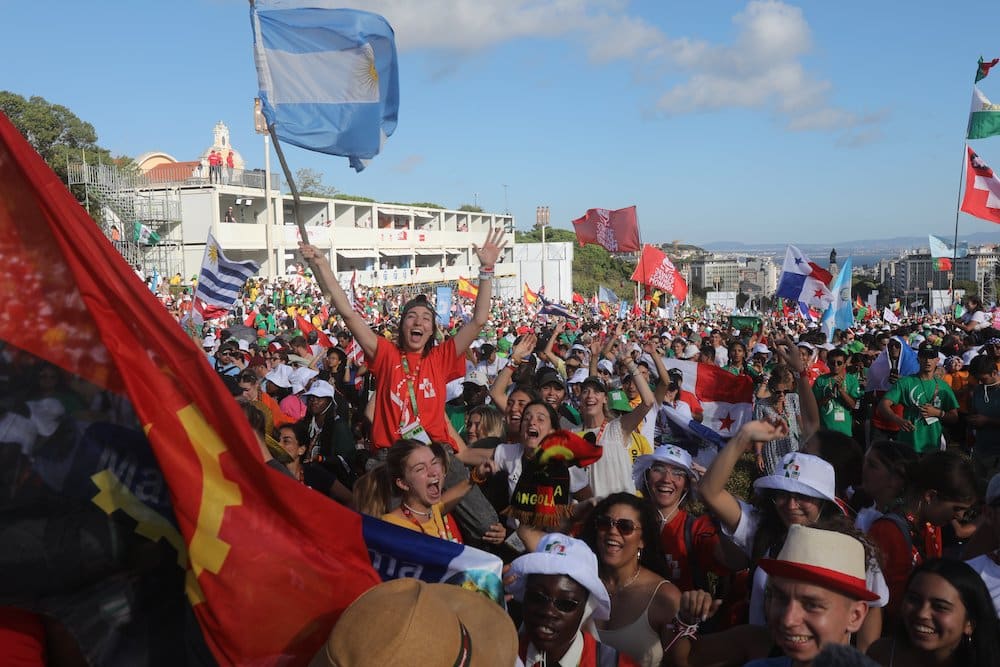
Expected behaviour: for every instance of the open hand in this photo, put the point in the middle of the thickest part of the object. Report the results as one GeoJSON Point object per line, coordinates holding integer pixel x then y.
{"type": "Point", "coordinates": [490, 250]}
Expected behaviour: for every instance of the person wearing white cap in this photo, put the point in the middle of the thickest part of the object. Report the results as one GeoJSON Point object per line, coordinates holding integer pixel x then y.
{"type": "Point", "coordinates": [667, 481]}
{"type": "Point", "coordinates": [818, 598]}
{"type": "Point", "coordinates": [560, 590]}
{"type": "Point", "coordinates": [801, 491]}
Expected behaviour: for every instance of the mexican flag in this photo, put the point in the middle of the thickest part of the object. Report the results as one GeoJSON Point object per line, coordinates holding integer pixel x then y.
{"type": "Point", "coordinates": [984, 116]}
{"type": "Point", "coordinates": [941, 264]}
{"type": "Point", "coordinates": [144, 235]}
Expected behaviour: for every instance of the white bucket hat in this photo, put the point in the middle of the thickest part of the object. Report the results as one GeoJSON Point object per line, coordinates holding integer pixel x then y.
{"type": "Point", "coordinates": [300, 378]}
{"type": "Point", "coordinates": [671, 454]}
{"type": "Point", "coordinates": [560, 554]}
{"type": "Point", "coordinates": [801, 473]}
{"type": "Point", "coordinates": [280, 376]}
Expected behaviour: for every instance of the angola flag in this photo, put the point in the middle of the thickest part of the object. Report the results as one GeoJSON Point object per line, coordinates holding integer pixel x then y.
{"type": "Point", "coordinates": [173, 477]}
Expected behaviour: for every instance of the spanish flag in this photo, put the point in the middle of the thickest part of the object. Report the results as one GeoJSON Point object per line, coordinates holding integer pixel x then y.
{"type": "Point", "coordinates": [267, 564]}
{"type": "Point", "coordinates": [466, 289]}
{"type": "Point", "coordinates": [530, 298]}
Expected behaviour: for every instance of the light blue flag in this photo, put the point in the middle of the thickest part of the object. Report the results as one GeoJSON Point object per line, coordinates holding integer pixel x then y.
{"type": "Point", "coordinates": [941, 248]}
{"type": "Point", "coordinates": [605, 295]}
{"type": "Point", "coordinates": [329, 79]}
{"type": "Point", "coordinates": [840, 314]}
{"type": "Point", "coordinates": [442, 306]}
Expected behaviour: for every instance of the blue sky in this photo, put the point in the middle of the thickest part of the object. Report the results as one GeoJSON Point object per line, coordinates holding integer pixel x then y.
{"type": "Point", "coordinates": [722, 120]}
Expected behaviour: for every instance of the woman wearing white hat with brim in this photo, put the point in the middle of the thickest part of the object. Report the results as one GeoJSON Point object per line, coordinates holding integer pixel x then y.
{"type": "Point", "coordinates": [667, 480]}
{"type": "Point", "coordinates": [559, 587]}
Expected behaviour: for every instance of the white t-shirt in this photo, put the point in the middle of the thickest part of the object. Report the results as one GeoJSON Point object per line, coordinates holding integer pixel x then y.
{"type": "Point", "coordinates": [980, 318]}
{"type": "Point", "coordinates": [743, 536]}
{"type": "Point", "coordinates": [612, 472]}
{"type": "Point", "coordinates": [990, 573]}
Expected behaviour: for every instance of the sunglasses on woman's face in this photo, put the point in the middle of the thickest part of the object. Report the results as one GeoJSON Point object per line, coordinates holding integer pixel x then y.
{"type": "Point", "coordinates": [565, 605]}
{"type": "Point", "coordinates": [625, 526]}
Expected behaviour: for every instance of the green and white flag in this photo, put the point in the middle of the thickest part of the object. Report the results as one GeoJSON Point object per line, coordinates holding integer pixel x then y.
{"type": "Point", "coordinates": [144, 235]}
{"type": "Point", "coordinates": [984, 117]}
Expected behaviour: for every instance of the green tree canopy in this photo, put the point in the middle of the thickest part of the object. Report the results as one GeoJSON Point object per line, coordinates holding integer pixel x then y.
{"type": "Point", "coordinates": [55, 132]}
{"type": "Point", "coordinates": [310, 184]}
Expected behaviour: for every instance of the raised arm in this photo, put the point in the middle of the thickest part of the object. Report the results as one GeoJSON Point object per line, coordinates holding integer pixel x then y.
{"type": "Point", "coordinates": [712, 488]}
{"type": "Point", "coordinates": [521, 349]}
{"type": "Point", "coordinates": [789, 354]}
{"type": "Point", "coordinates": [663, 380]}
{"type": "Point", "coordinates": [631, 420]}
{"type": "Point", "coordinates": [550, 343]}
{"type": "Point", "coordinates": [488, 255]}
{"type": "Point", "coordinates": [367, 339]}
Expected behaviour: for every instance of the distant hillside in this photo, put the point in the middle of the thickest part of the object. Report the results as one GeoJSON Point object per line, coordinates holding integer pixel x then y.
{"type": "Point", "coordinates": [847, 247]}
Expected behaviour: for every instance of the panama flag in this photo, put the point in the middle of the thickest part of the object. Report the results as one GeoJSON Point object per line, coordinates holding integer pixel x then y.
{"type": "Point", "coordinates": [725, 398]}
{"type": "Point", "coordinates": [803, 280]}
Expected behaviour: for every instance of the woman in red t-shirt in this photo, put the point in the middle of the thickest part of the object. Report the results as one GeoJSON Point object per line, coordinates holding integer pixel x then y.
{"type": "Point", "coordinates": [942, 487]}
{"type": "Point", "coordinates": [411, 376]}
{"type": "Point", "coordinates": [665, 479]}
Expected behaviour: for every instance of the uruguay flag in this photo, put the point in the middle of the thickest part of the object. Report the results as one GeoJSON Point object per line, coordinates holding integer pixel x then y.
{"type": "Point", "coordinates": [329, 80]}
{"type": "Point", "coordinates": [804, 280]}
{"type": "Point", "coordinates": [398, 552]}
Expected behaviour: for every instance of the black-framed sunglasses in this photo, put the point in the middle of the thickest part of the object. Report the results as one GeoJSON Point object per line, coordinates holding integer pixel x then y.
{"type": "Point", "coordinates": [565, 605]}
{"type": "Point", "coordinates": [625, 526]}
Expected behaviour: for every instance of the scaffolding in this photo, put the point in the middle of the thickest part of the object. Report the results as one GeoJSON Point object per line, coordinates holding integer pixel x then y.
{"type": "Point", "coordinates": [128, 202]}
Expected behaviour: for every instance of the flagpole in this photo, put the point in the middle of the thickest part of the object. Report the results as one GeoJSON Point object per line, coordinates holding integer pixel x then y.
{"type": "Point", "coordinates": [291, 184]}
{"type": "Point", "coordinates": [958, 208]}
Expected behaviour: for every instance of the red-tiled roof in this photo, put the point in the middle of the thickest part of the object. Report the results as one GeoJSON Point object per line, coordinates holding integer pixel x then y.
{"type": "Point", "coordinates": [173, 171]}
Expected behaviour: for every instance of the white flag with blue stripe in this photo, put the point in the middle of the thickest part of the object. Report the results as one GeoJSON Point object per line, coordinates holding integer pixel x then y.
{"type": "Point", "coordinates": [221, 279]}
{"type": "Point", "coordinates": [329, 80]}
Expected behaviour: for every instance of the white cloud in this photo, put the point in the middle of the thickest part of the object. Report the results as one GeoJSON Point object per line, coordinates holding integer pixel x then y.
{"type": "Point", "coordinates": [761, 69]}
{"type": "Point", "coordinates": [408, 164]}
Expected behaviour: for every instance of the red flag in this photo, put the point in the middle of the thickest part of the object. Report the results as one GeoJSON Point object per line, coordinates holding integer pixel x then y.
{"type": "Point", "coordinates": [250, 319]}
{"type": "Point", "coordinates": [270, 564]}
{"type": "Point", "coordinates": [466, 289]}
{"type": "Point", "coordinates": [656, 270]}
{"type": "Point", "coordinates": [982, 189]}
{"type": "Point", "coordinates": [529, 296]}
{"type": "Point", "coordinates": [578, 299]}
{"type": "Point", "coordinates": [306, 326]}
{"type": "Point", "coordinates": [615, 231]}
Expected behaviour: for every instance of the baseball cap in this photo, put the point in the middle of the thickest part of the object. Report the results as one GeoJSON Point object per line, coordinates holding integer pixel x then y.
{"type": "Point", "coordinates": [320, 389]}
{"type": "Point", "coordinates": [617, 400]}
{"type": "Point", "coordinates": [477, 377]}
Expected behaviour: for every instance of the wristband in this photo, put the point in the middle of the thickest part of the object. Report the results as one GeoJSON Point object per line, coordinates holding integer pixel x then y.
{"type": "Point", "coordinates": [475, 477]}
{"type": "Point", "coordinates": [485, 275]}
{"type": "Point", "coordinates": [683, 630]}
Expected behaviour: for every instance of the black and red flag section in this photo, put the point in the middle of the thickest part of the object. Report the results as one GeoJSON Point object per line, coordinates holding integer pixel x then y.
{"type": "Point", "coordinates": [127, 515]}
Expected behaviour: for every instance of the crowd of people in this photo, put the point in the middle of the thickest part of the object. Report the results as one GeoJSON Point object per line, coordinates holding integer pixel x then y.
{"type": "Point", "coordinates": [856, 506]}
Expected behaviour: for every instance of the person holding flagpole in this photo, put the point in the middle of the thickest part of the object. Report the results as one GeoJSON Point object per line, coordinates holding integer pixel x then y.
{"type": "Point", "coordinates": [411, 375]}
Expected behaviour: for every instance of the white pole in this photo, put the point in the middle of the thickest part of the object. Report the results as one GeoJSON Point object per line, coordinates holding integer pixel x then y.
{"type": "Point", "coordinates": [269, 213]}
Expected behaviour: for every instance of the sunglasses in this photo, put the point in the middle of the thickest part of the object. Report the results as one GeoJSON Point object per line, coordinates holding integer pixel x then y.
{"type": "Point", "coordinates": [565, 605]}
{"type": "Point", "coordinates": [625, 526]}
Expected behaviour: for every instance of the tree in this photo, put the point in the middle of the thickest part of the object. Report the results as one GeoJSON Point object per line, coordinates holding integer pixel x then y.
{"type": "Point", "coordinates": [55, 132]}
{"type": "Point", "coordinates": [310, 184]}
{"type": "Point", "coordinates": [470, 208]}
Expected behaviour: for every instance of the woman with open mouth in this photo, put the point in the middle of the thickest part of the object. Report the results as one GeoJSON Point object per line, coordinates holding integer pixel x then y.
{"type": "Point", "coordinates": [623, 532]}
{"type": "Point", "coordinates": [947, 620]}
{"type": "Point", "coordinates": [415, 473]}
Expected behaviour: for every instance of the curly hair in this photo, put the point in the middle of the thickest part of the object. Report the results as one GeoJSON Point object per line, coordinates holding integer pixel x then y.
{"type": "Point", "coordinates": [651, 556]}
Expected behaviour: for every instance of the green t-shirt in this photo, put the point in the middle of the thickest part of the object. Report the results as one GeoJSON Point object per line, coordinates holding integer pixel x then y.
{"type": "Point", "coordinates": [833, 413]}
{"type": "Point", "coordinates": [854, 347]}
{"type": "Point", "coordinates": [911, 392]}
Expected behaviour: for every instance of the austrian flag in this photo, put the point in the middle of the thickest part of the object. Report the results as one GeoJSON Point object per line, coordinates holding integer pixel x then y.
{"type": "Point", "coordinates": [982, 189]}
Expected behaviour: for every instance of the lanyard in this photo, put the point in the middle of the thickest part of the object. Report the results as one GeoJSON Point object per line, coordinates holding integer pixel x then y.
{"type": "Point", "coordinates": [409, 384]}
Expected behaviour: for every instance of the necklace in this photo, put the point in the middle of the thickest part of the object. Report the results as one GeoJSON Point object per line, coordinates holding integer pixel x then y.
{"type": "Point", "coordinates": [664, 520]}
{"type": "Point", "coordinates": [629, 582]}
{"type": "Point", "coordinates": [409, 510]}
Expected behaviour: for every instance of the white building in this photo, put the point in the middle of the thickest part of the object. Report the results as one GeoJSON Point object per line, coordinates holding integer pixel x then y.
{"type": "Point", "coordinates": [382, 244]}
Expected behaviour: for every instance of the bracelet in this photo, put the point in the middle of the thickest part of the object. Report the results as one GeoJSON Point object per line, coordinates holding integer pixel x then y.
{"type": "Point", "coordinates": [475, 477]}
{"type": "Point", "coordinates": [683, 630]}
{"type": "Point", "coordinates": [485, 275]}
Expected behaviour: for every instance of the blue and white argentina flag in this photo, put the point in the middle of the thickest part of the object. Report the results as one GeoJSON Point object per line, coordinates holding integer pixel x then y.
{"type": "Point", "coordinates": [221, 279]}
{"type": "Point", "coordinates": [328, 78]}
{"type": "Point", "coordinates": [398, 552]}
